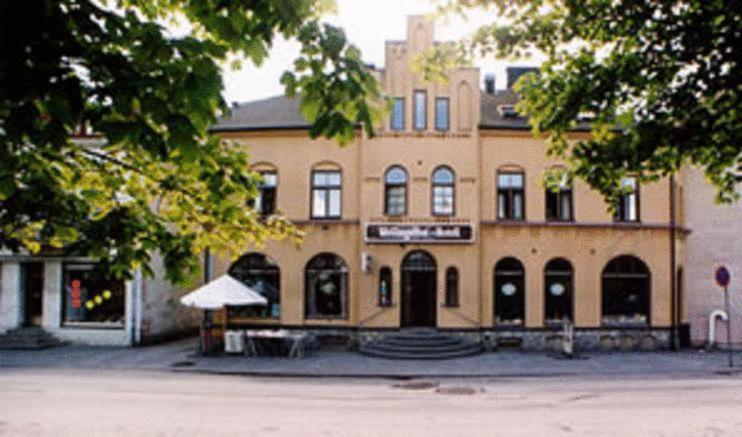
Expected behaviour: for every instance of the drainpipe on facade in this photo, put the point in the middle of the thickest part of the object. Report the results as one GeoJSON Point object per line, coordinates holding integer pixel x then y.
{"type": "Point", "coordinates": [673, 286]}
{"type": "Point", "coordinates": [136, 308]}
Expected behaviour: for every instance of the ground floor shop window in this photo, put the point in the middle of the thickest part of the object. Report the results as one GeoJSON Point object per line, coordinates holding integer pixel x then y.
{"type": "Point", "coordinates": [558, 291]}
{"type": "Point", "coordinates": [509, 292]}
{"type": "Point", "coordinates": [260, 273]}
{"type": "Point", "coordinates": [625, 292]}
{"type": "Point", "coordinates": [90, 296]}
{"type": "Point", "coordinates": [326, 287]}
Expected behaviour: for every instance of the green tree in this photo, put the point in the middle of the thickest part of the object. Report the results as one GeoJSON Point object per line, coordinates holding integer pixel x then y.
{"type": "Point", "coordinates": [153, 179]}
{"type": "Point", "coordinates": [662, 78]}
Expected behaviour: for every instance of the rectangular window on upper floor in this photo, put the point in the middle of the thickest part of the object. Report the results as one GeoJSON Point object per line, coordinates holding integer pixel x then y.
{"type": "Point", "coordinates": [510, 196]}
{"type": "Point", "coordinates": [420, 100]}
{"type": "Point", "coordinates": [396, 121]}
{"type": "Point", "coordinates": [326, 194]}
{"type": "Point", "coordinates": [627, 209]}
{"type": "Point", "coordinates": [266, 200]}
{"type": "Point", "coordinates": [441, 114]}
{"type": "Point", "coordinates": [559, 202]}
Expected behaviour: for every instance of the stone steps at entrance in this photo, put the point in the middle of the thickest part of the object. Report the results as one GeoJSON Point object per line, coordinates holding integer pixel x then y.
{"type": "Point", "coordinates": [421, 344]}
{"type": "Point", "coordinates": [28, 338]}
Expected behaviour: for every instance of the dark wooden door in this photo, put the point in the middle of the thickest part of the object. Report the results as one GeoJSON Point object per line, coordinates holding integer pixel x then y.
{"type": "Point", "coordinates": [419, 290]}
{"type": "Point", "coordinates": [33, 288]}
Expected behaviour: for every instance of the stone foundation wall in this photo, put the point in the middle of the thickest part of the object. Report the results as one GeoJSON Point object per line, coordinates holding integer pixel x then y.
{"type": "Point", "coordinates": [530, 340]}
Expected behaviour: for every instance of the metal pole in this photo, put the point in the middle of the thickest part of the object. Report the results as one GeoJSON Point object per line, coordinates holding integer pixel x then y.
{"type": "Point", "coordinates": [729, 326]}
{"type": "Point", "coordinates": [673, 277]}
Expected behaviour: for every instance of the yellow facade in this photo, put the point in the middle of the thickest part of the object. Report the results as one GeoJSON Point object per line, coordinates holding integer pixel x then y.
{"type": "Point", "coordinates": [475, 153]}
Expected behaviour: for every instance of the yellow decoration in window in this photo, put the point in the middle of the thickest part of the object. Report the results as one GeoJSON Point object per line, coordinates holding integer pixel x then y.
{"type": "Point", "coordinates": [98, 300]}
{"type": "Point", "coordinates": [89, 304]}
{"type": "Point", "coordinates": [107, 294]}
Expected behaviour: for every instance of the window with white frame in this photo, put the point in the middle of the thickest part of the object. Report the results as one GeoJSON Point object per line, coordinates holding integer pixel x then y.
{"type": "Point", "coordinates": [326, 194]}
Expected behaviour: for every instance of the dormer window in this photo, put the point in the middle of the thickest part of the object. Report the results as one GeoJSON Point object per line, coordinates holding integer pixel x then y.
{"type": "Point", "coordinates": [586, 116]}
{"type": "Point", "coordinates": [507, 111]}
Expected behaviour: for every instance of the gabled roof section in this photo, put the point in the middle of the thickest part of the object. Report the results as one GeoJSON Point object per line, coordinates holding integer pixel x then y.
{"type": "Point", "coordinates": [492, 117]}
{"type": "Point", "coordinates": [278, 112]}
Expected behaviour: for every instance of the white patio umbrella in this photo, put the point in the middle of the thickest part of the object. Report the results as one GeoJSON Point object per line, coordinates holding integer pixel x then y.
{"type": "Point", "coordinates": [223, 291]}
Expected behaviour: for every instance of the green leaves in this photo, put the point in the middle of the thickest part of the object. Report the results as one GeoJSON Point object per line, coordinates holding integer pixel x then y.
{"type": "Point", "coordinates": [153, 179]}
{"type": "Point", "coordinates": [338, 93]}
{"type": "Point", "coordinates": [661, 78]}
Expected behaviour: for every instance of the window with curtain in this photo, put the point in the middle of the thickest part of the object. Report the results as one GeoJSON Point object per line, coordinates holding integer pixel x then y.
{"type": "Point", "coordinates": [265, 203]}
{"type": "Point", "coordinates": [326, 194]}
{"type": "Point", "coordinates": [385, 286]}
{"type": "Point", "coordinates": [627, 209]}
{"type": "Point", "coordinates": [443, 191]}
{"type": "Point", "coordinates": [559, 203]}
{"type": "Point", "coordinates": [441, 114]}
{"type": "Point", "coordinates": [558, 291]}
{"type": "Point", "coordinates": [395, 191]}
{"type": "Point", "coordinates": [396, 121]}
{"type": "Point", "coordinates": [510, 294]}
{"type": "Point", "coordinates": [420, 113]}
{"type": "Point", "coordinates": [326, 287]}
{"type": "Point", "coordinates": [260, 273]}
{"type": "Point", "coordinates": [510, 196]}
{"type": "Point", "coordinates": [452, 287]}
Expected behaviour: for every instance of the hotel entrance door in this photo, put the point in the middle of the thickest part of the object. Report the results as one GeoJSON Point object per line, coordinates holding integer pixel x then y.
{"type": "Point", "coordinates": [418, 307]}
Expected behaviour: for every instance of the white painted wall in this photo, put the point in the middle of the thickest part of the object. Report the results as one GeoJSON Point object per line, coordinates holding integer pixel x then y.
{"type": "Point", "coordinates": [715, 239]}
{"type": "Point", "coordinates": [11, 311]}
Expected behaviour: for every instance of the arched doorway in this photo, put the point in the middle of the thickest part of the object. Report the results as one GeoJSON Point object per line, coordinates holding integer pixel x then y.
{"type": "Point", "coordinates": [418, 290]}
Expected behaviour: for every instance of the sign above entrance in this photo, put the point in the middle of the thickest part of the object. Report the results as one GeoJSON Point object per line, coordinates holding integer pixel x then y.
{"type": "Point", "coordinates": [419, 233]}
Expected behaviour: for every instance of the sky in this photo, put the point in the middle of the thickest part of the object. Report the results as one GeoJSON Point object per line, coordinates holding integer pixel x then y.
{"type": "Point", "coordinates": [367, 23]}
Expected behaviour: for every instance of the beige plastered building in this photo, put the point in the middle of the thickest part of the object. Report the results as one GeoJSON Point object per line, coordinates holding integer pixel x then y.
{"type": "Point", "coordinates": [447, 247]}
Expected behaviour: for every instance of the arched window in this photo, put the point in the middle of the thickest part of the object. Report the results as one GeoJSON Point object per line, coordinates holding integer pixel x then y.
{"type": "Point", "coordinates": [452, 287]}
{"type": "Point", "coordinates": [443, 191]}
{"type": "Point", "coordinates": [385, 286]}
{"type": "Point", "coordinates": [625, 291]}
{"type": "Point", "coordinates": [395, 191]}
{"type": "Point", "coordinates": [558, 286]}
{"type": "Point", "coordinates": [260, 273]}
{"type": "Point", "coordinates": [509, 292]}
{"type": "Point", "coordinates": [326, 287]}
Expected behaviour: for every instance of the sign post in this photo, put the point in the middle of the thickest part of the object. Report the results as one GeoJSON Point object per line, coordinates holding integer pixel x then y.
{"type": "Point", "coordinates": [723, 277]}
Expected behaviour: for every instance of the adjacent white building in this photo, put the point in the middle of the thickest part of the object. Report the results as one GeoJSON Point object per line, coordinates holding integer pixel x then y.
{"type": "Point", "coordinates": [715, 239]}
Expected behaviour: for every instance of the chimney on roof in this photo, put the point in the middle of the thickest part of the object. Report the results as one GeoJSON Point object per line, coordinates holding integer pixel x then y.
{"type": "Point", "coordinates": [489, 83]}
{"type": "Point", "coordinates": [514, 73]}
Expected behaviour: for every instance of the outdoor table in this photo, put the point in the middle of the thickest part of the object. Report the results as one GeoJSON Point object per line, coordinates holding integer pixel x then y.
{"type": "Point", "coordinates": [297, 341]}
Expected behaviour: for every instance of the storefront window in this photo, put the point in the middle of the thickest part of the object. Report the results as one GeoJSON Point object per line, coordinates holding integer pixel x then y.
{"type": "Point", "coordinates": [91, 297]}
{"type": "Point", "coordinates": [326, 282]}
{"type": "Point", "coordinates": [625, 292]}
{"type": "Point", "coordinates": [509, 292]}
{"type": "Point", "coordinates": [261, 274]}
{"type": "Point", "coordinates": [558, 291]}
